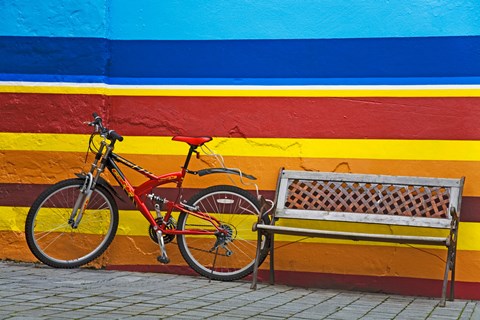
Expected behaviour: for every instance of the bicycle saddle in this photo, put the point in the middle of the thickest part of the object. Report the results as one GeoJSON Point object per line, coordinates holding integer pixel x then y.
{"type": "Point", "coordinates": [193, 141]}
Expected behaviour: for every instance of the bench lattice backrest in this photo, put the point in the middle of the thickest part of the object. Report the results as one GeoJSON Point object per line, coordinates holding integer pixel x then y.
{"type": "Point", "coordinates": [333, 196]}
{"type": "Point", "coordinates": [375, 198]}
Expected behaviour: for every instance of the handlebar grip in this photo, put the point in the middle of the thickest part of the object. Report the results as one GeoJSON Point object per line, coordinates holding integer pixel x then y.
{"type": "Point", "coordinates": [114, 136]}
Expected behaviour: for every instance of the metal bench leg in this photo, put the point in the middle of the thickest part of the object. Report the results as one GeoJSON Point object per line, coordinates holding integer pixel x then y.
{"type": "Point", "coordinates": [452, 279]}
{"type": "Point", "coordinates": [255, 265]}
{"type": "Point", "coordinates": [453, 252]}
{"type": "Point", "coordinates": [453, 259]}
{"type": "Point", "coordinates": [272, 262]}
{"type": "Point", "coordinates": [445, 277]}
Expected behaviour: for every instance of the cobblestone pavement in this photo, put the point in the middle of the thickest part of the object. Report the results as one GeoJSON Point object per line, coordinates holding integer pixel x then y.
{"type": "Point", "coordinates": [30, 291]}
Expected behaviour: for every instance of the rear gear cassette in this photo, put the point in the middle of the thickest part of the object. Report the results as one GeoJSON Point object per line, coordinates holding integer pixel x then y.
{"type": "Point", "coordinates": [167, 238]}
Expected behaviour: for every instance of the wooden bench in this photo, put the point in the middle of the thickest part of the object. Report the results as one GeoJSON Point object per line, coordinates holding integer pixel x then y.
{"type": "Point", "coordinates": [364, 198]}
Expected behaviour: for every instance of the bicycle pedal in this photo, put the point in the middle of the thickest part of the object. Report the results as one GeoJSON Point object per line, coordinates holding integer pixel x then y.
{"type": "Point", "coordinates": [162, 259]}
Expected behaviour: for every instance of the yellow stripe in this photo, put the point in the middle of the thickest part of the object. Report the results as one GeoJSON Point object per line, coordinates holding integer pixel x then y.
{"type": "Point", "coordinates": [132, 223]}
{"type": "Point", "coordinates": [261, 147]}
{"type": "Point", "coordinates": [298, 93]}
{"type": "Point", "coordinates": [13, 218]}
{"type": "Point", "coordinates": [52, 89]}
{"type": "Point", "coordinates": [246, 91]}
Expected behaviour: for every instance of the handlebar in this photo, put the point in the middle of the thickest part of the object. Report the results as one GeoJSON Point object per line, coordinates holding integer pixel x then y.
{"type": "Point", "coordinates": [109, 134]}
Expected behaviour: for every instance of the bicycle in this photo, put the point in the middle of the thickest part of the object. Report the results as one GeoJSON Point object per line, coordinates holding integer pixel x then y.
{"type": "Point", "coordinates": [74, 221]}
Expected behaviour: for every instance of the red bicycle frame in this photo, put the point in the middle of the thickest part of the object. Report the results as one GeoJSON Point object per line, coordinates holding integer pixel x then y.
{"type": "Point", "coordinates": [136, 193]}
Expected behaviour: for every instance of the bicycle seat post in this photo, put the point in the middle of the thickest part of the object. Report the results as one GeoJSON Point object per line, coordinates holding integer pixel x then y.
{"type": "Point", "coordinates": [191, 150]}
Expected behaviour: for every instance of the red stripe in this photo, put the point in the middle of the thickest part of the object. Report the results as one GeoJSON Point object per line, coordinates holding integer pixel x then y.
{"type": "Point", "coordinates": [393, 285]}
{"type": "Point", "coordinates": [48, 113]}
{"type": "Point", "coordinates": [384, 118]}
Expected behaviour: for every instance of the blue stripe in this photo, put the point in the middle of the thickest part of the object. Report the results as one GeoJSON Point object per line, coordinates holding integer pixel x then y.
{"type": "Point", "coordinates": [331, 58]}
{"type": "Point", "coordinates": [314, 61]}
{"type": "Point", "coordinates": [241, 81]}
{"type": "Point", "coordinates": [53, 57]}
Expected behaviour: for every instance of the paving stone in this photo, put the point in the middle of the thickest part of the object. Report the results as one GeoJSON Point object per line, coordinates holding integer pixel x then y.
{"type": "Point", "coordinates": [230, 317]}
{"type": "Point", "coordinates": [199, 314]}
{"type": "Point", "coordinates": [110, 315]}
{"type": "Point", "coordinates": [39, 312]}
{"type": "Point", "coordinates": [136, 309]}
{"type": "Point", "coordinates": [74, 314]}
{"type": "Point", "coordinates": [144, 317]}
{"type": "Point", "coordinates": [20, 307]}
{"type": "Point", "coordinates": [164, 312]}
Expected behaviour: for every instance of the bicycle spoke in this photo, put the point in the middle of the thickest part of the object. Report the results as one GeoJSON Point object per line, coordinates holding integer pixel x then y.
{"type": "Point", "coordinates": [51, 231]}
{"type": "Point", "coordinates": [52, 241]}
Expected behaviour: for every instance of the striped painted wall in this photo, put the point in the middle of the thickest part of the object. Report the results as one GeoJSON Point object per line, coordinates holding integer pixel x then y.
{"type": "Point", "coordinates": [385, 87]}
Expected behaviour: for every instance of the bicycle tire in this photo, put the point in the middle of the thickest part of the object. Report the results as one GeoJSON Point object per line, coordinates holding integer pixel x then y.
{"type": "Point", "coordinates": [237, 210]}
{"type": "Point", "coordinates": [54, 241]}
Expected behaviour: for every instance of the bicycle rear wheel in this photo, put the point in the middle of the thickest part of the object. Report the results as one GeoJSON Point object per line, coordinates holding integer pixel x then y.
{"type": "Point", "coordinates": [237, 210]}
{"type": "Point", "coordinates": [53, 240]}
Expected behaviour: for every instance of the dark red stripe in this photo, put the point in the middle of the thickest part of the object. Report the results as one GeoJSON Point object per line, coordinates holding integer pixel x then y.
{"type": "Point", "coordinates": [393, 285]}
{"type": "Point", "coordinates": [23, 195]}
{"type": "Point", "coordinates": [384, 118]}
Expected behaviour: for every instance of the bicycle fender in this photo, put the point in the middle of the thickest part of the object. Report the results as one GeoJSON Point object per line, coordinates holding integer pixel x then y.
{"type": "Point", "coordinates": [204, 172]}
{"type": "Point", "coordinates": [104, 183]}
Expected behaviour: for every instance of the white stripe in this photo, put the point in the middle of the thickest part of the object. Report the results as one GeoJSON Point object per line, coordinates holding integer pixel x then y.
{"type": "Point", "coordinates": [240, 87]}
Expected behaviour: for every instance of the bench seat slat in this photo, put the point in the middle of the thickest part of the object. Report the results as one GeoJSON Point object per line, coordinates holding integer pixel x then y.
{"type": "Point", "coordinates": [364, 218]}
{"type": "Point", "coordinates": [355, 236]}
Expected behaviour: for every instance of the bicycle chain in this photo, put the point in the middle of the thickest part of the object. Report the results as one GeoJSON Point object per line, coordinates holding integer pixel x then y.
{"type": "Point", "coordinates": [203, 250]}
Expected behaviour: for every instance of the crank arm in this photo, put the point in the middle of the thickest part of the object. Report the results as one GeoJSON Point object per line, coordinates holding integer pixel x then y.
{"type": "Point", "coordinates": [163, 258]}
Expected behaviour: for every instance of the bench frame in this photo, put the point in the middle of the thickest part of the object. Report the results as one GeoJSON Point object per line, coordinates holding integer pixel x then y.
{"type": "Point", "coordinates": [380, 185]}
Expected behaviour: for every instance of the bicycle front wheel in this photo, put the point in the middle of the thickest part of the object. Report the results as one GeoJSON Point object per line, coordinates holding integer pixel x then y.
{"type": "Point", "coordinates": [51, 236]}
{"type": "Point", "coordinates": [225, 258]}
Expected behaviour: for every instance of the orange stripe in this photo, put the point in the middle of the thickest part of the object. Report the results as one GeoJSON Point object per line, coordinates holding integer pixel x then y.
{"type": "Point", "coordinates": [328, 258]}
{"type": "Point", "coordinates": [374, 260]}
{"type": "Point", "coordinates": [41, 167]}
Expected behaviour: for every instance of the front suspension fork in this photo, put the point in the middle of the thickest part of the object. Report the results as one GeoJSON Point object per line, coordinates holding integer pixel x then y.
{"type": "Point", "coordinates": [82, 202]}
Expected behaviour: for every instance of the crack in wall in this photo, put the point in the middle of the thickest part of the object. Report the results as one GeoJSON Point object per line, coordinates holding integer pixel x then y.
{"type": "Point", "coordinates": [140, 250]}
{"type": "Point", "coordinates": [343, 167]}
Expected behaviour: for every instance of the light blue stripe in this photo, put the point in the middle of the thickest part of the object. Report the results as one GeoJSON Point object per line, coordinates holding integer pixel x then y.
{"type": "Point", "coordinates": [291, 19]}
{"type": "Point", "coordinates": [239, 19]}
{"type": "Point", "coordinates": [53, 18]}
